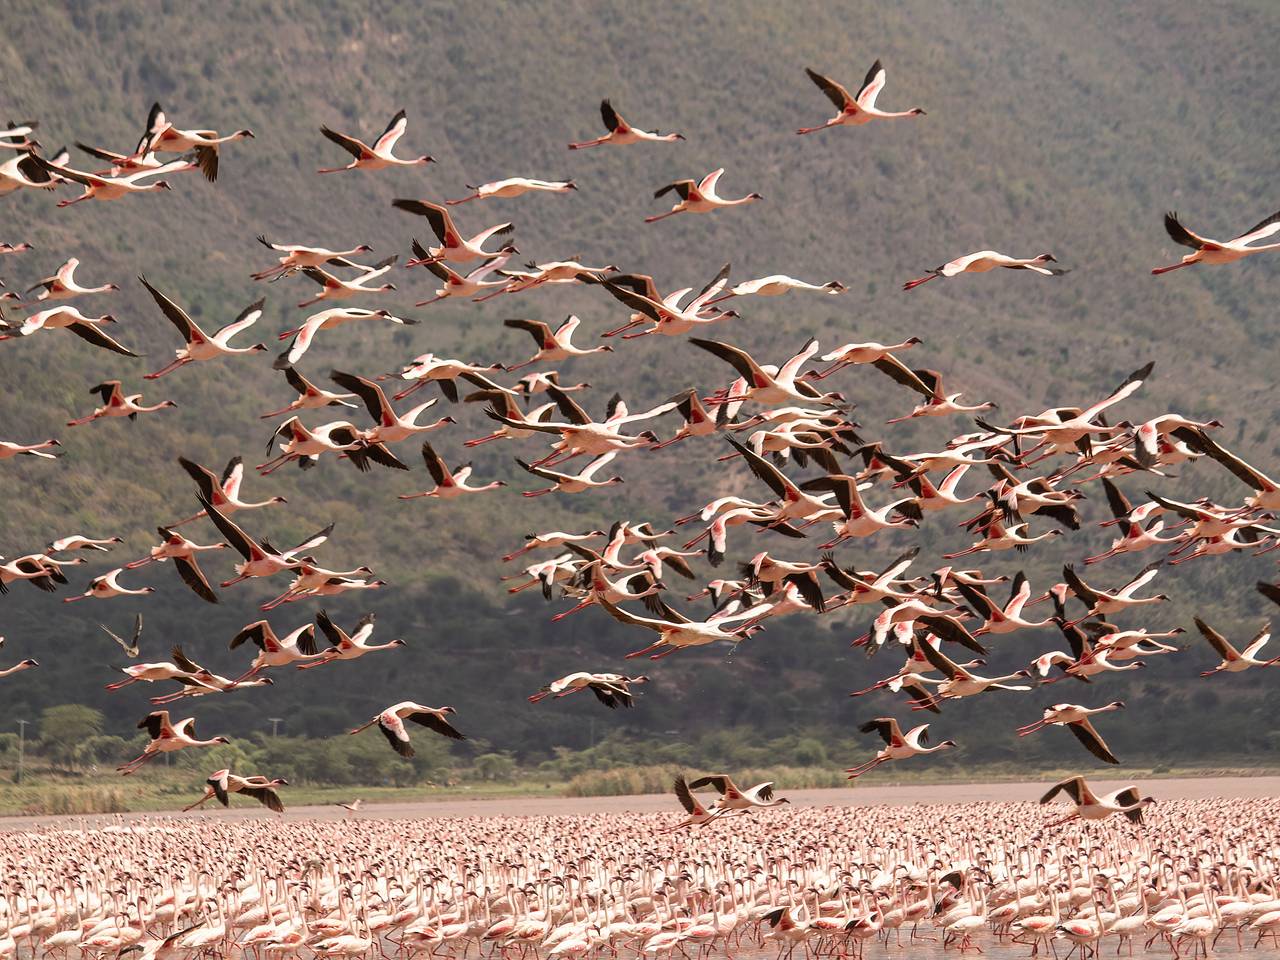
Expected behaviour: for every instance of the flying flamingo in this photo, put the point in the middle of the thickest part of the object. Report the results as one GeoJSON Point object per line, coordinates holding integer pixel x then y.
{"type": "Point", "coordinates": [166, 737]}
{"type": "Point", "coordinates": [378, 156]}
{"type": "Point", "coordinates": [622, 133]}
{"type": "Point", "coordinates": [856, 110]}
{"type": "Point", "coordinates": [1205, 250]}
{"type": "Point", "coordinates": [699, 196]}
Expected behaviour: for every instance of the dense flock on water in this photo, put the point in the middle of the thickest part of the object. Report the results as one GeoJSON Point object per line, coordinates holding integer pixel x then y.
{"type": "Point", "coordinates": [811, 881]}
{"type": "Point", "coordinates": [739, 866]}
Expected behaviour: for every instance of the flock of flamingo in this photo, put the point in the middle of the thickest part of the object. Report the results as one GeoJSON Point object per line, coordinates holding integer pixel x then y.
{"type": "Point", "coordinates": [743, 867]}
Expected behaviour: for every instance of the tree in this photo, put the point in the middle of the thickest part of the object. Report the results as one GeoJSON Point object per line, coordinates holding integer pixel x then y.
{"type": "Point", "coordinates": [64, 729]}
{"type": "Point", "coordinates": [495, 766]}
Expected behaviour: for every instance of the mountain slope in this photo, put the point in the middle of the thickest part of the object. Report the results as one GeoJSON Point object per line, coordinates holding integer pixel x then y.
{"type": "Point", "coordinates": [1049, 128]}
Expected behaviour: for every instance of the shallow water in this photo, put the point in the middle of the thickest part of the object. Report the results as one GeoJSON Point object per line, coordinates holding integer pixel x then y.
{"type": "Point", "coordinates": [865, 794]}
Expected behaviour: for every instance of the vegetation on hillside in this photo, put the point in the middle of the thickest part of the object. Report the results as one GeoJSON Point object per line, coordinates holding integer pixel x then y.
{"type": "Point", "coordinates": [1059, 127]}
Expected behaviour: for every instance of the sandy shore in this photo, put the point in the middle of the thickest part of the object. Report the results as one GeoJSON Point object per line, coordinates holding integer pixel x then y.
{"type": "Point", "coordinates": [866, 795]}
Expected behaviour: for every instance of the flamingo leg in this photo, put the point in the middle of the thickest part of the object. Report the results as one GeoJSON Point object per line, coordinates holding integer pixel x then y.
{"type": "Point", "coordinates": [1156, 271]}
{"type": "Point", "coordinates": [912, 284]}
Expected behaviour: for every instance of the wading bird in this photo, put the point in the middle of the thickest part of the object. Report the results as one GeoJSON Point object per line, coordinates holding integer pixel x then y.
{"type": "Point", "coordinates": [166, 737]}
{"type": "Point", "coordinates": [987, 260]}
{"type": "Point", "coordinates": [698, 196]}
{"type": "Point", "coordinates": [1090, 806]}
{"type": "Point", "coordinates": [1205, 250]}
{"type": "Point", "coordinates": [856, 110]}
{"type": "Point", "coordinates": [378, 156]}
{"type": "Point", "coordinates": [391, 722]}
{"type": "Point", "coordinates": [198, 345]}
{"type": "Point", "coordinates": [898, 746]}
{"type": "Point", "coordinates": [1077, 719]}
{"type": "Point", "coordinates": [222, 783]}
{"type": "Point", "coordinates": [622, 133]}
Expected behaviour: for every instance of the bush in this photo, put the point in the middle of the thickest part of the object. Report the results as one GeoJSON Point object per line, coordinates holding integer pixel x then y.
{"type": "Point", "coordinates": [495, 766]}
{"type": "Point", "coordinates": [64, 729]}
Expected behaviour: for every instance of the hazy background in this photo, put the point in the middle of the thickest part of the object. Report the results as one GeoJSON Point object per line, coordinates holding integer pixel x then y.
{"type": "Point", "coordinates": [1056, 127]}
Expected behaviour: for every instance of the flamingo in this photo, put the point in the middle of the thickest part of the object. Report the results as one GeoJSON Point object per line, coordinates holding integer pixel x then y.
{"type": "Point", "coordinates": [335, 288]}
{"type": "Point", "coordinates": [310, 397]}
{"type": "Point", "coordinates": [163, 137]}
{"type": "Point", "coordinates": [69, 318]}
{"type": "Point", "coordinates": [174, 546]}
{"type": "Point", "coordinates": [389, 426]}
{"type": "Point", "coordinates": [856, 353]}
{"type": "Point", "coordinates": [347, 646]}
{"type": "Point", "coordinates": [391, 722]}
{"type": "Point", "coordinates": [115, 188]}
{"type": "Point", "coordinates": [553, 272]}
{"type": "Point", "coordinates": [427, 368]}
{"type": "Point", "coordinates": [898, 746]}
{"type": "Point", "coordinates": [856, 110]}
{"type": "Point", "coordinates": [999, 619]}
{"type": "Point", "coordinates": [676, 631]}
{"type": "Point", "coordinates": [167, 737]}
{"type": "Point", "coordinates": [622, 133]}
{"type": "Point", "coordinates": [859, 520]}
{"type": "Point", "coordinates": [733, 798]}
{"type": "Point", "coordinates": [222, 783]}
{"type": "Point", "coordinates": [1236, 661]}
{"type": "Point", "coordinates": [504, 405]}
{"type": "Point", "coordinates": [578, 482]}
{"type": "Point", "coordinates": [542, 541]}
{"type": "Point", "coordinates": [26, 171]}
{"type": "Point", "coordinates": [62, 285]}
{"type": "Point", "coordinates": [378, 156]}
{"type": "Point", "coordinates": [456, 284]}
{"type": "Point", "coordinates": [296, 256]}
{"type": "Point", "coordinates": [552, 346]}
{"type": "Point", "coordinates": [454, 247]}
{"type": "Point", "coordinates": [107, 586]}
{"type": "Point", "coordinates": [514, 187]}
{"type": "Point", "coordinates": [9, 448]}
{"type": "Point", "coordinates": [328, 320]}
{"type": "Point", "coordinates": [260, 560]}
{"type": "Point", "coordinates": [1090, 806]}
{"type": "Point", "coordinates": [669, 319]}
{"type": "Point", "coordinates": [699, 196]}
{"type": "Point", "coordinates": [1205, 250]}
{"type": "Point", "coordinates": [298, 646]}
{"type": "Point", "coordinates": [17, 135]}
{"type": "Point", "coordinates": [116, 404]}
{"type": "Point", "coordinates": [449, 483]}
{"type": "Point", "coordinates": [986, 260]}
{"type": "Point", "coordinates": [777, 284]}
{"type": "Point", "coordinates": [198, 345]}
{"type": "Point", "coordinates": [960, 682]}
{"type": "Point", "coordinates": [1077, 719]}
{"type": "Point", "coordinates": [766, 383]}
{"type": "Point", "coordinates": [18, 667]}
{"type": "Point", "coordinates": [611, 689]}
{"type": "Point", "coordinates": [223, 492]}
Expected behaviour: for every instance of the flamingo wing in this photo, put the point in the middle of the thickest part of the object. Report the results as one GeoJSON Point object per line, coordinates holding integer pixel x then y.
{"type": "Point", "coordinates": [353, 146]}
{"type": "Point", "coordinates": [395, 130]}
{"type": "Point", "coordinates": [837, 94]}
{"type": "Point", "coordinates": [1260, 231]}
{"type": "Point", "coordinates": [1180, 234]}
{"type": "Point", "coordinates": [436, 722]}
{"type": "Point", "coordinates": [91, 334]}
{"type": "Point", "coordinates": [393, 729]}
{"type": "Point", "coordinates": [872, 84]}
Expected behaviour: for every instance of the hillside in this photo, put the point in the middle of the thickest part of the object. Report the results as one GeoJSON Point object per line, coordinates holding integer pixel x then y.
{"type": "Point", "coordinates": [1050, 127]}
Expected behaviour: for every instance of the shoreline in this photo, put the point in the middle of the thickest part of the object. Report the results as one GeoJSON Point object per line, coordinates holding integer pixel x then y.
{"type": "Point", "coordinates": [1172, 788]}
